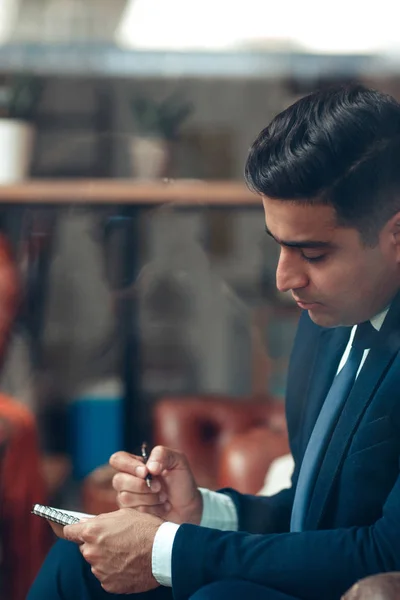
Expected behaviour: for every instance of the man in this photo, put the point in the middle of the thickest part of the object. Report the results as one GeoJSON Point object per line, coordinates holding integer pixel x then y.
{"type": "Point", "coordinates": [327, 172]}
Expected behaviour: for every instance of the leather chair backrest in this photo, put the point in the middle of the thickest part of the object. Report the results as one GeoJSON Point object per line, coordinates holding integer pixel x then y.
{"type": "Point", "coordinates": [202, 427]}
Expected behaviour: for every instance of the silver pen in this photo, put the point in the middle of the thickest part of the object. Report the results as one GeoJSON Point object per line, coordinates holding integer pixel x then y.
{"type": "Point", "coordinates": [145, 457]}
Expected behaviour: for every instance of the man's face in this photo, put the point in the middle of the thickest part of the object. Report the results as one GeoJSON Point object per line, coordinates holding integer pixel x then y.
{"type": "Point", "coordinates": [328, 269]}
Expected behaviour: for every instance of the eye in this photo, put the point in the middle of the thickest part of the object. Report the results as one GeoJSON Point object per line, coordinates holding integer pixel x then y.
{"type": "Point", "coordinates": [314, 259]}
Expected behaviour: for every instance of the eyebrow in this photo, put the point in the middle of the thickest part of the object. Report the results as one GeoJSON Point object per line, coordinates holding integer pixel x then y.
{"type": "Point", "coordinates": [300, 243]}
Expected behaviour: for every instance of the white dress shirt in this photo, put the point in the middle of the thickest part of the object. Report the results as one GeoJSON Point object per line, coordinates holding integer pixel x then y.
{"type": "Point", "coordinates": [219, 511]}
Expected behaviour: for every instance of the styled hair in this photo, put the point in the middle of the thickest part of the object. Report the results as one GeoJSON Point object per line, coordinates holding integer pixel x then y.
{"type": "Point", "coordinates": [339, 147]}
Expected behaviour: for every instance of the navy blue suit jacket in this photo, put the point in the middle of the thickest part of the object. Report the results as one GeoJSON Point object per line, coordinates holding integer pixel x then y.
{"type": "Point", "coordinates": [353, 522]}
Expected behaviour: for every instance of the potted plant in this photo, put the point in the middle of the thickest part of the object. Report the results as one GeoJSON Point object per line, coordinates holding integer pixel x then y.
{"type": "Point", "coordinates": [19, 97]}
{"type": "Point", "coordinates": [157, 126]}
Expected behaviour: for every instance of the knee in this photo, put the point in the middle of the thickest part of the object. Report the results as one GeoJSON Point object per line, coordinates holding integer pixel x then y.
{"type": "Point", "coordinates": [385, 586]}
{"type": "Point", "coordinates": [63, 557]}
{"type": "Point", "coordinates": [60, 569]}
{"type": "Point", "coordinates": [213, 591]}
{"type": "Point", "coordinates": [233, 589]}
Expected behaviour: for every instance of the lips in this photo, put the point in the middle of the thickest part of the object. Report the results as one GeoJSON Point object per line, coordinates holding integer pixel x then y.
{"type": "Point", "coordinates": [306, 305]}
{"type": "Point", "coordinates": [303, 301]}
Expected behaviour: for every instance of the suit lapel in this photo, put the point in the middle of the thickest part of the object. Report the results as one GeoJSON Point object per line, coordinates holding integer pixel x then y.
{"type": "Point", "coordinates": [376, 366]}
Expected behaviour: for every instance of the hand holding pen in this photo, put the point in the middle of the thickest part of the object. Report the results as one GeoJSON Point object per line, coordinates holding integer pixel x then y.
{"type": "Point", "coordinates": [169, 491]}
{"type": "Point", "coordinates": [145, 457]}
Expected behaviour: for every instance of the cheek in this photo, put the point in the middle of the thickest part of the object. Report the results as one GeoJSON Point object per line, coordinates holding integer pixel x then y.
{"type": "Point", "coordinates": [337, 278]}
{"type": "Point", "coordinates": [351, 279]}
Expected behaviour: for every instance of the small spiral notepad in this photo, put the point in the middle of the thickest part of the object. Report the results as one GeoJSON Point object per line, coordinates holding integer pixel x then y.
{"type": "Point", "coordinates": [63, 517]}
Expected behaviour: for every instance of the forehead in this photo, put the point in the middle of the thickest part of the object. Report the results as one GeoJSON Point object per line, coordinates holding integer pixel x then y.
{"type": "Point", "coordinates": [286, 219]}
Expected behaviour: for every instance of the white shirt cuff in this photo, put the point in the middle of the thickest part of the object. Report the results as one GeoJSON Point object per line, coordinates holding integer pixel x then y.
{"type": "Point", "coordinates": [161, 558]}
{"type": "Point", "coordinates": [219, 511]}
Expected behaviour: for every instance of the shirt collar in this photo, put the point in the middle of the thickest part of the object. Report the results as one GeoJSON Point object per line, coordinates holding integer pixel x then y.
{"type": "Point", "coordinates": [377, 320]}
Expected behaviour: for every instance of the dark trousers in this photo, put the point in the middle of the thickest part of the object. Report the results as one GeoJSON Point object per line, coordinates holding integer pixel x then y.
{"type": "Point", "coordinates": [65, 575]}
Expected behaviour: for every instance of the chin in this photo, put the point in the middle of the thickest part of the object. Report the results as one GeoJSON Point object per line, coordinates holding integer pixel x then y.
{"type": "Point", "coordinates": [324, 319]}
{"type": "Point", "coordinates": [331, 320]}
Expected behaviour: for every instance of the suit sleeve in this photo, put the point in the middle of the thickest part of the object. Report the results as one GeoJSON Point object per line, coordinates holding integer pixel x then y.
{"type": "Point", "coordinates": [310, 565]}
{"type": "Point", "coordinates": [263, 514]}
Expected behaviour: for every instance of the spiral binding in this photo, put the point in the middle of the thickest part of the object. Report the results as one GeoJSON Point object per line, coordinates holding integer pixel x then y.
{"type": "Point", "coordinates": [55, 515]}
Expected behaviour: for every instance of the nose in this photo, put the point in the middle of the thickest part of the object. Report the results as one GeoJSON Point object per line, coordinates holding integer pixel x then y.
{"type": "Point", "coordinates": [290, 272]}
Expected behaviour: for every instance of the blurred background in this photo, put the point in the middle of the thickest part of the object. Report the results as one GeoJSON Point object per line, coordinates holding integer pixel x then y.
{"type": "Point", "coordinates": [137, 285]}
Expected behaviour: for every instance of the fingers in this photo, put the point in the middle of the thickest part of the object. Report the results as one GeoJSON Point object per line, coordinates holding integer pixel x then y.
{"type": "Point", "coordinates": [130, 481]}
{"type": "Point", "coordinates": [163, 459]}
{"type": "Point", "coordinates": [135, 474]}
{"type": "Point", "coordinates": [57, 528]}
{"type": "Point", "coordinates": [133, 492]}
{"type": "Point", "coordinates": [129, 500]}
{"type": "Point", "coordinates": [142, 503]}
{"type": "Point", "coordinates": [160, 459]}
{"type": "Point", "coordinates": [122, 482]}
{"type": "Point", "coordinates": [128, 463]}
{"type": "Point", "coordinates": [74, 533]}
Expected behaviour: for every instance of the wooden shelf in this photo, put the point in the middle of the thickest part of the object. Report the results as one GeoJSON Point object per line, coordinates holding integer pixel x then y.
{"type": "Point", "coordinates": [107, 60]}
{"type": "Point", "coordinates": [110, 191]}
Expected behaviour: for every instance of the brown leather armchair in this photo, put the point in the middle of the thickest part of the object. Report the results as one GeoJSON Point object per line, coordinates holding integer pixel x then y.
{"type": "Point", "coordinates": [25, 539]}
{"type": "Point", "coordinates": [228, 442]}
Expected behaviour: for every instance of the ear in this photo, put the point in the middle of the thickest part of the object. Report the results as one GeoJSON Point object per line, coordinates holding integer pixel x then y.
{"type": "Point", "coordinates": [392, 229]}
{"type": "Point", "coordinates": [394, 224]}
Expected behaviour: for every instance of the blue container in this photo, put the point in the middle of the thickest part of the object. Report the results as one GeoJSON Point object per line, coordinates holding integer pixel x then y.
{"type": "Point", "coordinates": [95, 426]}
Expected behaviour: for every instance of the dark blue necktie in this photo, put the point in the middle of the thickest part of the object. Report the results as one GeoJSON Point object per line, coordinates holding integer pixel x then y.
{"type": "Point", "coordinates": [340, 389]}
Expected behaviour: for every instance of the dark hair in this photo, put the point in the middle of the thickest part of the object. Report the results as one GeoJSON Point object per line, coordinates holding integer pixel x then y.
{"type": "Point", "coordinates": [339, 146]}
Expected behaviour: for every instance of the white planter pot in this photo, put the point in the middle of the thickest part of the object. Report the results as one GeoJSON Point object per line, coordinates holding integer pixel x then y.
{"type": "Point", "coordinates": [149, 157]}
{"type": "Point", "coordinates": [16, 145]}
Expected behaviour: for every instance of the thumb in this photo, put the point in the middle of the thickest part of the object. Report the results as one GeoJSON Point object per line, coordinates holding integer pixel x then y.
{"type": "Point", "coordinates": [75, 533]}
{"type": "Point", "coordinates": [162, 458]}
